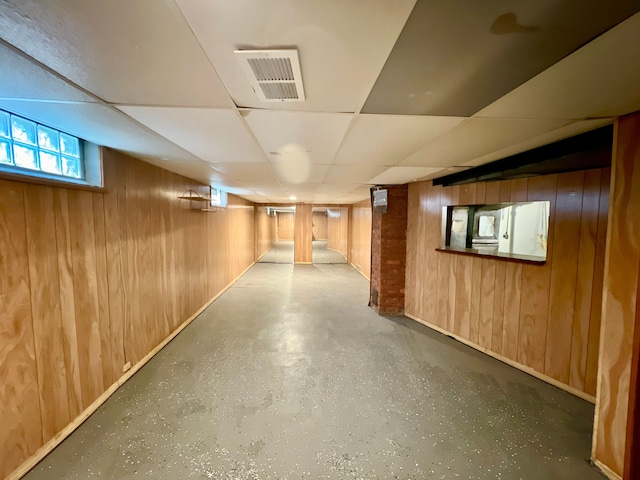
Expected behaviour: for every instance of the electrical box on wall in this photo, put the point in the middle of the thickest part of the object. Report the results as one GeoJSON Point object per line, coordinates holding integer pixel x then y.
{"type": "Point", "coordinates": [380, 201]}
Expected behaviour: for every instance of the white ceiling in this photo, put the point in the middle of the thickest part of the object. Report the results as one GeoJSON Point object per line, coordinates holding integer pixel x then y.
{"type": "Point", "coordinates": [158, 79]}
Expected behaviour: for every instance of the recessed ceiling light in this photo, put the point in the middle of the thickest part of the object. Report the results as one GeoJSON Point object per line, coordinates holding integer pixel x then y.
{"type": "Point", "coordinates": [292, 197]}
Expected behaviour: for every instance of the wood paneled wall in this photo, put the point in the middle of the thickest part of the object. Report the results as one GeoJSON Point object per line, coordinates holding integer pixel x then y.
{"type": "Point", "coordinates": [302, 234]}
{"type": "Point", "coordinates": [620, 307]}
{"type": "Point", "coordinates": [265, 230]}
{"type": "Point", "coordinates": [286, 223]}
{"type": "Point", "coordinates": [543, 318]}
{"type": "Point", "coordinates": [338, 229]}
{"type": "Point", "coordinates": [92, 281]}
{"type": "Point", "coordinates": [319, 225]}
{"type": "Point", "coordinates": [360, 226]}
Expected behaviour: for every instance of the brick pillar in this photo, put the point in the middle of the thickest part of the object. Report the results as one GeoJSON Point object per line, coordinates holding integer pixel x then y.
{"type": "Point", "coordinates": [389, 253]}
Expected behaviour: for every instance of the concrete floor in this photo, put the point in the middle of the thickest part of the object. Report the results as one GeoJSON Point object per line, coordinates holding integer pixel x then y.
{"type": "Point", "coordinates": [321, 254]}
{"type": "Point", "coordinates": [289, 375]}
{"type": "Point", "coordinates": [282, 252]}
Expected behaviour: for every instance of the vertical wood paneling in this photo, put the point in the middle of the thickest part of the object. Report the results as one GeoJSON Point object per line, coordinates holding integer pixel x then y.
{"type": "Point", "coordinates": [487, 302]}
{"type": "Point", "coordinates": [505, 307]}
{"type": "Point", "coordinates": [45, 308]}
{"type": "Point", "coordinates": [498, 307]}
{"type": "Point", "coordinates": [585, 278]}
{"type": "Point", "coordinates": [621, 279]}
{"type": "Point", "coordinates": [21, 426]}
{"type": "Point", "coordinates": [67, 301]}
{"type": "Point", "coordinates": [319, 225]}
{"type": "Point", "coordinates": [464, 275]}
{"type": "Point", "coordinates": [360, 247]}
{"type": "Point", "coordinates": [109, 375]}
{"type": "Point", "coordinates": [413, 283]}
{"type": "Point", "coordinates": [476, 279]}
{"type": "Point", "coordinates": [286, 222]}
{"type": "Point", "coordinates": [564, 272]}
{"type": "Point", "coordinates": [534, 305]}
{"type": "Point", "coordinates": [442, 309]}
{"type": "Point", "coordinates": [114, 274]}
{"type": "Point", "coordinates": [265, 231]}
{"type": "Point", "coordinates": [513, 286]}
{"type": "Point", "coordinates": [108, 276]}
{"type": "Point", "coordinates": [302, 234]}
{"type": "Point", "coordinates": [87, 310]}
{"type": "Point", "coordinates": [338, 229]}
{"type": "Point", "coordinates": [598, 285]}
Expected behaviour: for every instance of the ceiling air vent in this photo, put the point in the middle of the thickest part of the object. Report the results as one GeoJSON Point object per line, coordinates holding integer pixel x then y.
{"type": "Point", "coordinates": [274, 74]}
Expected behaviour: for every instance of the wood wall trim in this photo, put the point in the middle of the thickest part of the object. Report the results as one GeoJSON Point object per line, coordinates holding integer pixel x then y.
{"type": "Point", "coordinates": [507, 257]}
{"type": "Point", "coordinates": [508, 361]}
{"type": "Point", "coordinates": [632, 453]}
{"type": "Point", "coordinates": [57, 439]}
{"type": "Point", "coordinates": [606, 471]}
{"type": "Point", "coordinates": [49, 182]}
{"type": "Point", "coordinates": [619, 297]}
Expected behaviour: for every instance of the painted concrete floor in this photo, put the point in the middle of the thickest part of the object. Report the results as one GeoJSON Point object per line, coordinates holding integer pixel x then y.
{"type": "Point", "coordinates": [321, 254]}
{"type": "Point", "coordinates": [282, 252]}
{"type": "Point", "coordinates": [289, 375]}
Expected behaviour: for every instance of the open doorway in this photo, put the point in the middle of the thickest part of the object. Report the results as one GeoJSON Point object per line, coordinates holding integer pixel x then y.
{"type": "Point", "coordinates": [330, 228]}
{"type": "Point", "coordinates": [275, 229]}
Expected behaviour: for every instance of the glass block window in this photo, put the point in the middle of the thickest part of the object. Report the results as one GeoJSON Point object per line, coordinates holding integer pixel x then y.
{"type": "Point", "coordinates": [29, 146]}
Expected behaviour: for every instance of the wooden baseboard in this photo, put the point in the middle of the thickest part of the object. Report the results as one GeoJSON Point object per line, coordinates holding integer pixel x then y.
{"type": "Point", "coordinates": [264, 253]}
{"type": "Point", "coordinates": [337, 251]}
{"type": "Point", "coordinates": [508, 361]}
{"type": "Point", "coordinates": [368, 279]}
{"type": "Point", "coordinates": [606, 470]}
{"type": "Point", "coordinates": [43, 451]}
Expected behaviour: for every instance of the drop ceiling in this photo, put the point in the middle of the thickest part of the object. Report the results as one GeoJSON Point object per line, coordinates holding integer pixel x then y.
{"type": "Point", "coordinates": [395, 90]}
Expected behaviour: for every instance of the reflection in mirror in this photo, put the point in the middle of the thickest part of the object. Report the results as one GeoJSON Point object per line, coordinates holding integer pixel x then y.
{"type": "Point", "coordinates": [511, 230]}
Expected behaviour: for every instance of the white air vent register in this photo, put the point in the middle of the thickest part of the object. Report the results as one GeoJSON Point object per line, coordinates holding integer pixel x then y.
{"type": "Point", "coordinates": [274, 74]}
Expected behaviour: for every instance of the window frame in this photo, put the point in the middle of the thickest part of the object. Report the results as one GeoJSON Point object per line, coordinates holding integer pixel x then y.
{"type": "Point", "coordinates": [88, 158]}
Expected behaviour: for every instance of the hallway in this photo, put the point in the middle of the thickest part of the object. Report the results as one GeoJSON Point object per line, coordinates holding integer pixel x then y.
{"type": "Point", "coordinates": [290, 375]}
{"type": "Point", "coordinates": [280, 252]}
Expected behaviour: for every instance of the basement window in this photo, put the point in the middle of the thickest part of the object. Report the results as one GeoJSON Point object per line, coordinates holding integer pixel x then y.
{"type": "Point", "coordinates": [218, 197]}
{"type": "Point", "coordinates": [35, 150]}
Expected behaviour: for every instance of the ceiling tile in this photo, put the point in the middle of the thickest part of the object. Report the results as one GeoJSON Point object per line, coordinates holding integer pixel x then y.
{"type": "Point", "coordinates": [214, 135]}
{"type": "Point", "coordinates": [341, 188]}
{"type": "Point", "coordinates": [300, 188]}
{"type": "Point", "coordinates": [567, 131]}
{"type": "Point", "coordinates": [21, 78]}
{"type": "Point", "coordinates": [388, 139]}
{"type": "Point", "coordinates": [455, 58]}
{"type": "Point", "coordinates": [476, 137]}
{"type": "Point", "coordinates": [352, 173]}
{"type": "Point", "coordinates": [295, 173]}
{"type": "Point", "coordinates": [342, 44]}
{"type": "Point", "coordinates": [599, 80]}
{"type": "Point", "coordinates": [254, 174]}
{"type": "Point", "coordinates": [295, 138]}
{"type": "Point", "coordinates": [140, 52]}
{"type": "Point", "coordinates": [101, 124]}
{"type": "Point", "coordinates": [400, 175]}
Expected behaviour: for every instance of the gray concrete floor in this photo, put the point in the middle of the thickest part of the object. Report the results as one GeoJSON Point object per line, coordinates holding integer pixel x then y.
{"type": "Point", "coordinates": [280, 252]}
{"type": "Point", "coordinates": [289, 375]}
{"type": "Point", "coordinates": [321, 254]}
